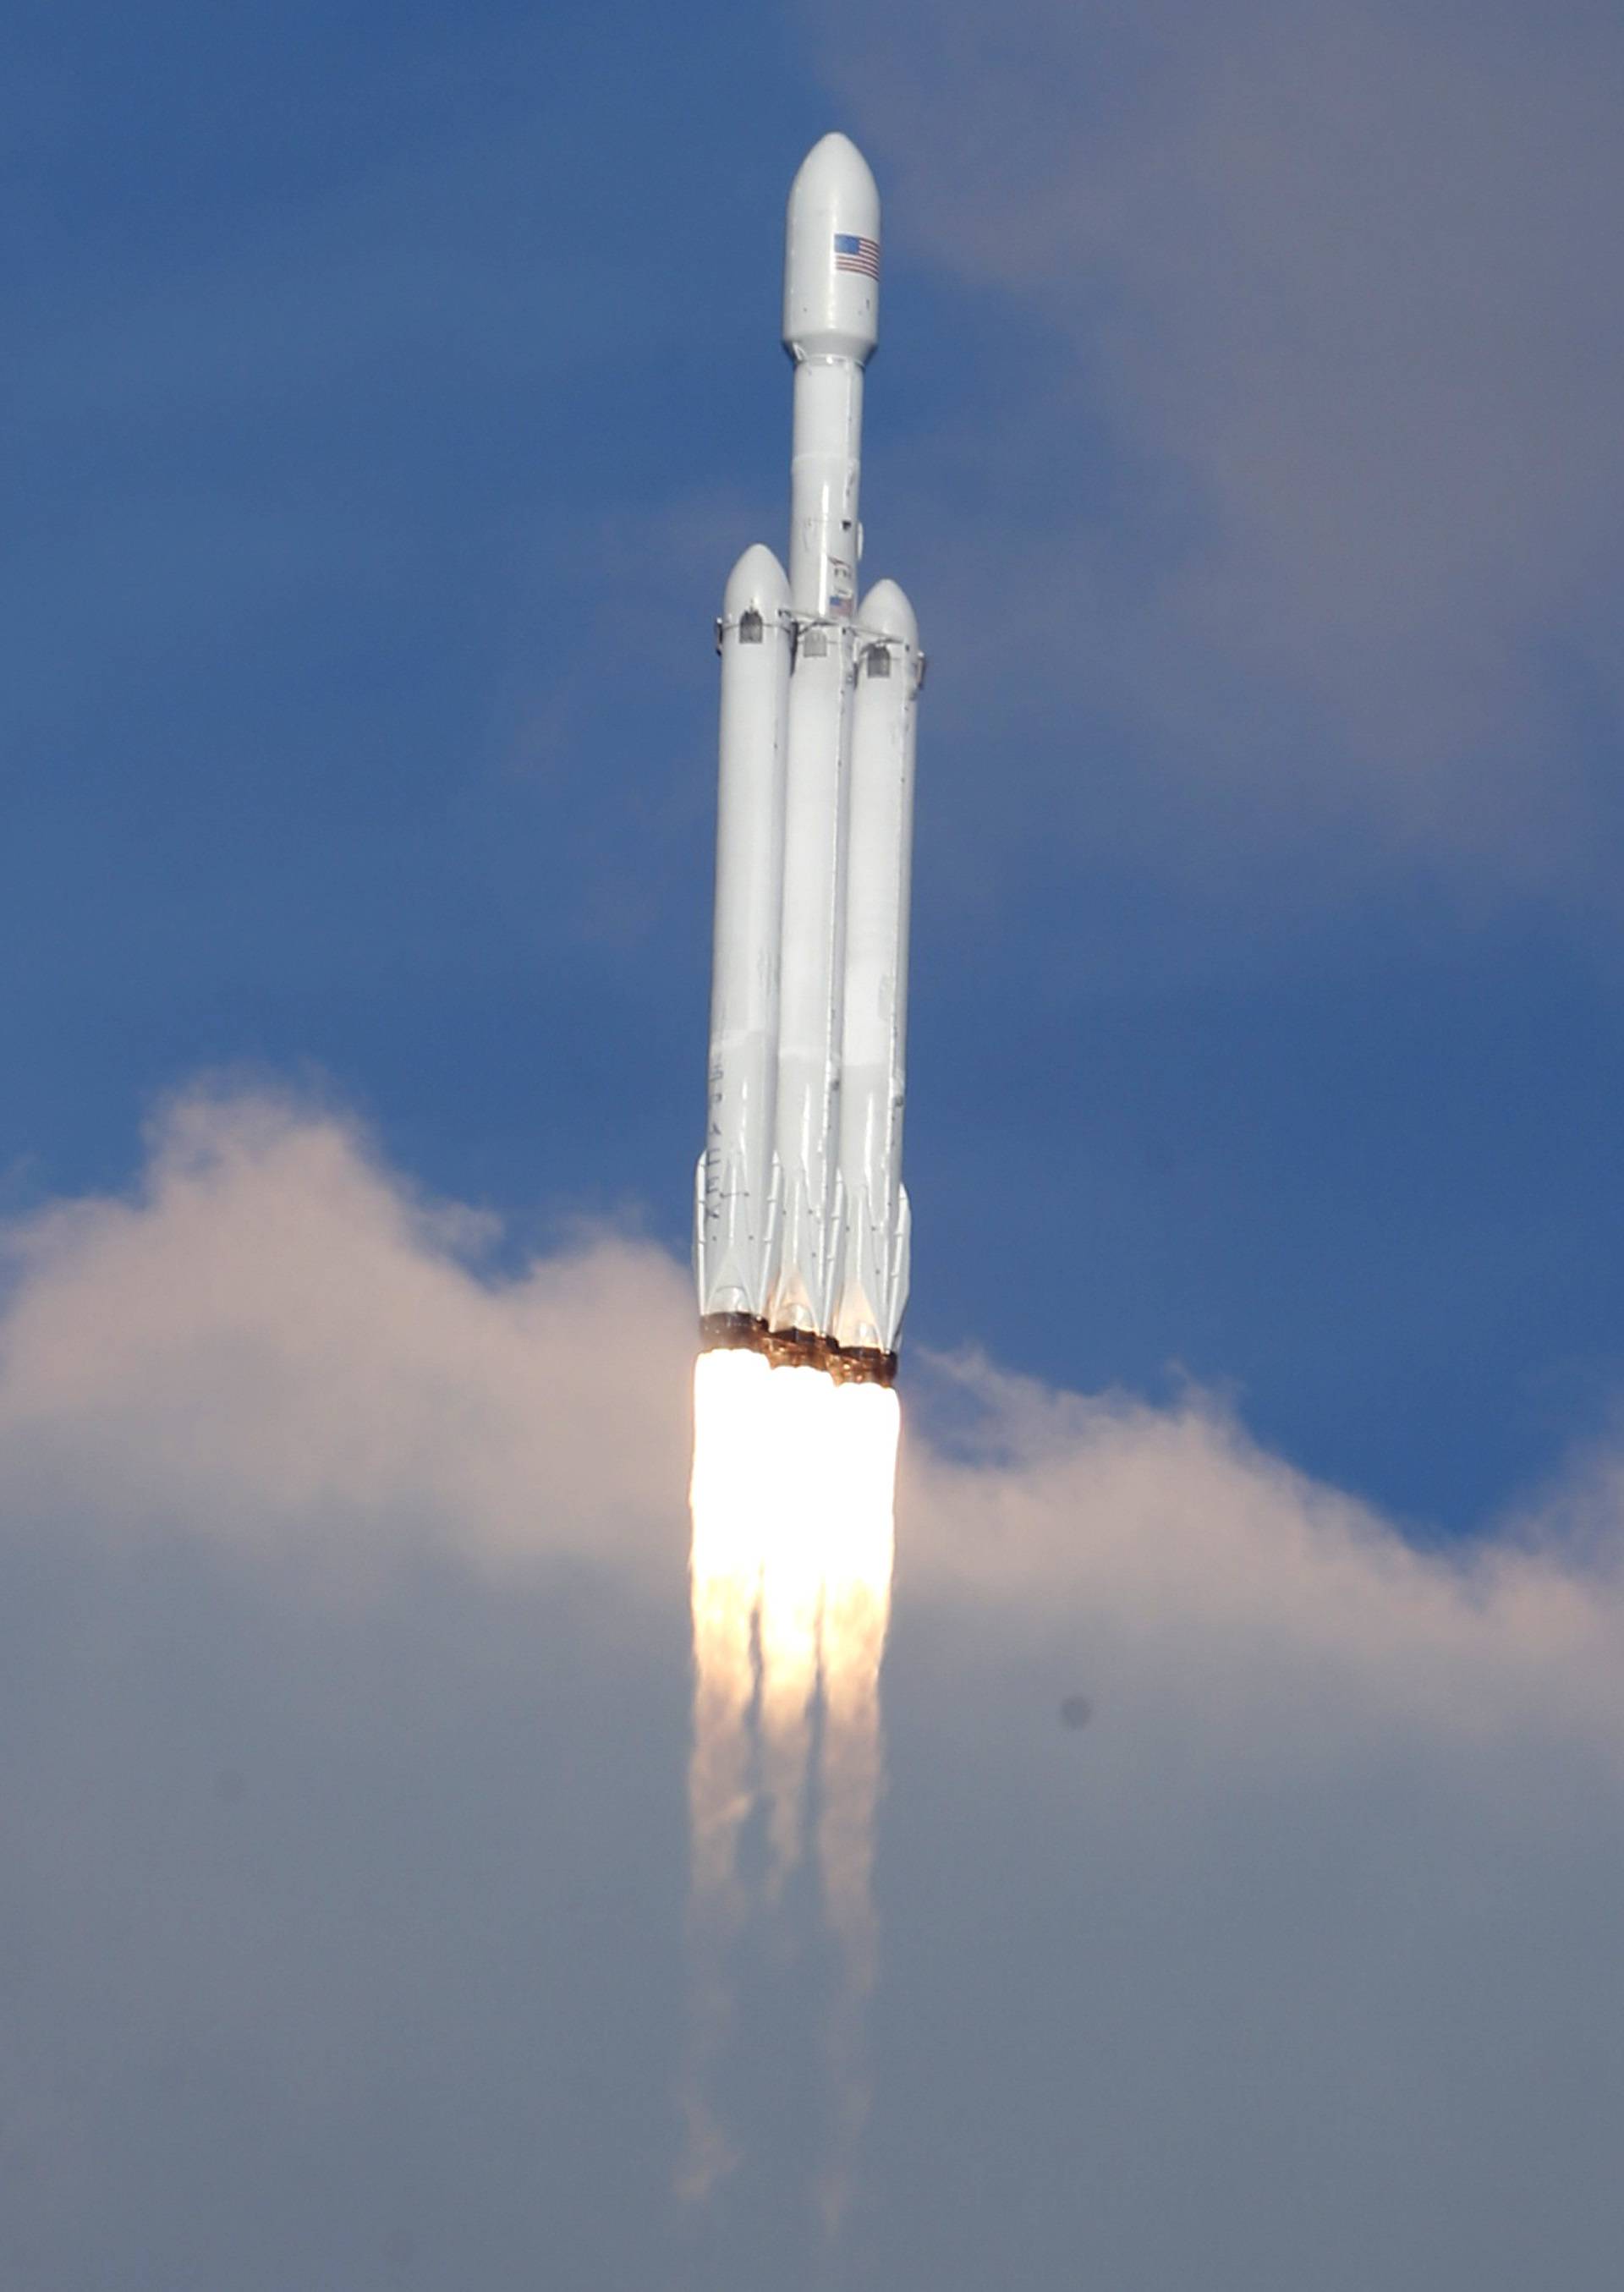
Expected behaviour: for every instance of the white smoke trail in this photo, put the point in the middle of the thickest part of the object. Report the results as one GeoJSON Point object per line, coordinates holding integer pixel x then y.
{"type": "Point", "coordinates": [730, 1487]}
{"type": "Point", "coordinates": [802, 1440]}
{"type": "Point", "coordinates": [792, 1497]}
{"type": "Point", "coordinates": [856, 1616]}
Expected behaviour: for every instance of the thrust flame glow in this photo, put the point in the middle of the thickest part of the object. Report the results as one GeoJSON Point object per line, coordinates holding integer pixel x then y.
{"type": "Point", "coordinates": [727, 1493]}
{"type": "Point", "coordinates": [728, 1496]}
{"type": "Point", "coordinates": [800, 1432]}
{"type": "Point", "coordinates": [856, 1614]}
{"type": "Point", "coordinates": [792, 1499]}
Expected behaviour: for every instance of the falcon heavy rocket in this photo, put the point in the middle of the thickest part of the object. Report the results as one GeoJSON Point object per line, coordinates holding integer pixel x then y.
{"type": "Point", "coordinates": [801, 1225]}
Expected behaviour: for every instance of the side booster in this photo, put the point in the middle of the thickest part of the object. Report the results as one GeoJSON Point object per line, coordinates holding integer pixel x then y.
{"type": "Point", "coordinates": [801, 1222]}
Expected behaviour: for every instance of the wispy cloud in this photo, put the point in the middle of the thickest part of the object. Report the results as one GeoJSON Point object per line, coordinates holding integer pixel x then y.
{"type": "Point", "coordinates": [1329, 295]}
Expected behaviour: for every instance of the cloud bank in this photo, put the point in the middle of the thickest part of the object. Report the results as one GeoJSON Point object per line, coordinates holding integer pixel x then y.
{"type": "Point", "coordinates": [343, 1718]}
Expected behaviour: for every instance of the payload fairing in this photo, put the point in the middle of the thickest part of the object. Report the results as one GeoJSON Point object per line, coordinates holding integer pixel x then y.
{"type": "Point", "coordinates": [801, 1240]}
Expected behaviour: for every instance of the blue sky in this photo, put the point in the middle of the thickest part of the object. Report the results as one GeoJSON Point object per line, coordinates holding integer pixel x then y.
{"type": "Point", "coordinates": [389, 394]}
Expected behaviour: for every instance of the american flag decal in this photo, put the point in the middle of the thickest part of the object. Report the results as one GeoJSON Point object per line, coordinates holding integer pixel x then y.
{"type": "Point", "coordinates": [859, 255]}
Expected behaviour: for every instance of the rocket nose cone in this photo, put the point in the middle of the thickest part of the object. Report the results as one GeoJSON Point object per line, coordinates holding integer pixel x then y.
{"type": "Point", "coordinates": [832, 254]}
{"type": "Point", "coordinates": [835, 175]}
{"type": "Point", "coordinates": [885, 609]}
{"type": "Point", "coordinates": [757, 583]}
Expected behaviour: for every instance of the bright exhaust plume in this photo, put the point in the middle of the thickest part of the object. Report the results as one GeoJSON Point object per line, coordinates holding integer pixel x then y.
{"type": "Point", "coordinates": [792, 1498]}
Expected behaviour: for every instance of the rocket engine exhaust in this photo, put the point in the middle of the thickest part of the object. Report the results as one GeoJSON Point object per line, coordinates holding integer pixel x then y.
{"type": "Point", "coordinates": [790, 1588]}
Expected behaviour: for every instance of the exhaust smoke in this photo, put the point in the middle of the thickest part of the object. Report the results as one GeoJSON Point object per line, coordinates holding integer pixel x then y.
{"type": "Point", "coordinates": [792, 1497]}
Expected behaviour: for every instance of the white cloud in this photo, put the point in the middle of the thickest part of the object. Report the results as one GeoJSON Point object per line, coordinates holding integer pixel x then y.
{"type": "Point", "coordinates": [351, 1929]}
{"type": "Point", "coordinates": [274, 1334]}
{"type": "Point", "coordinates": [1253, 1593]}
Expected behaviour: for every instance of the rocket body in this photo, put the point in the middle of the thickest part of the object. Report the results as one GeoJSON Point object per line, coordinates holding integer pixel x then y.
{"type": "Point", "coordinates": [735, 1178]}
{"type": "Point", "coordinates": [801, 1222]}
{"type": "Point", "coordinates": [871, 1286]}
{"type": "Point", "coordinates": [809, 1005]}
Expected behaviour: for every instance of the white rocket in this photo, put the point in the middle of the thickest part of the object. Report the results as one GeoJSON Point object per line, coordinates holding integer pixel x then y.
{"type": "Point", "coordinates": [800, 1219]}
